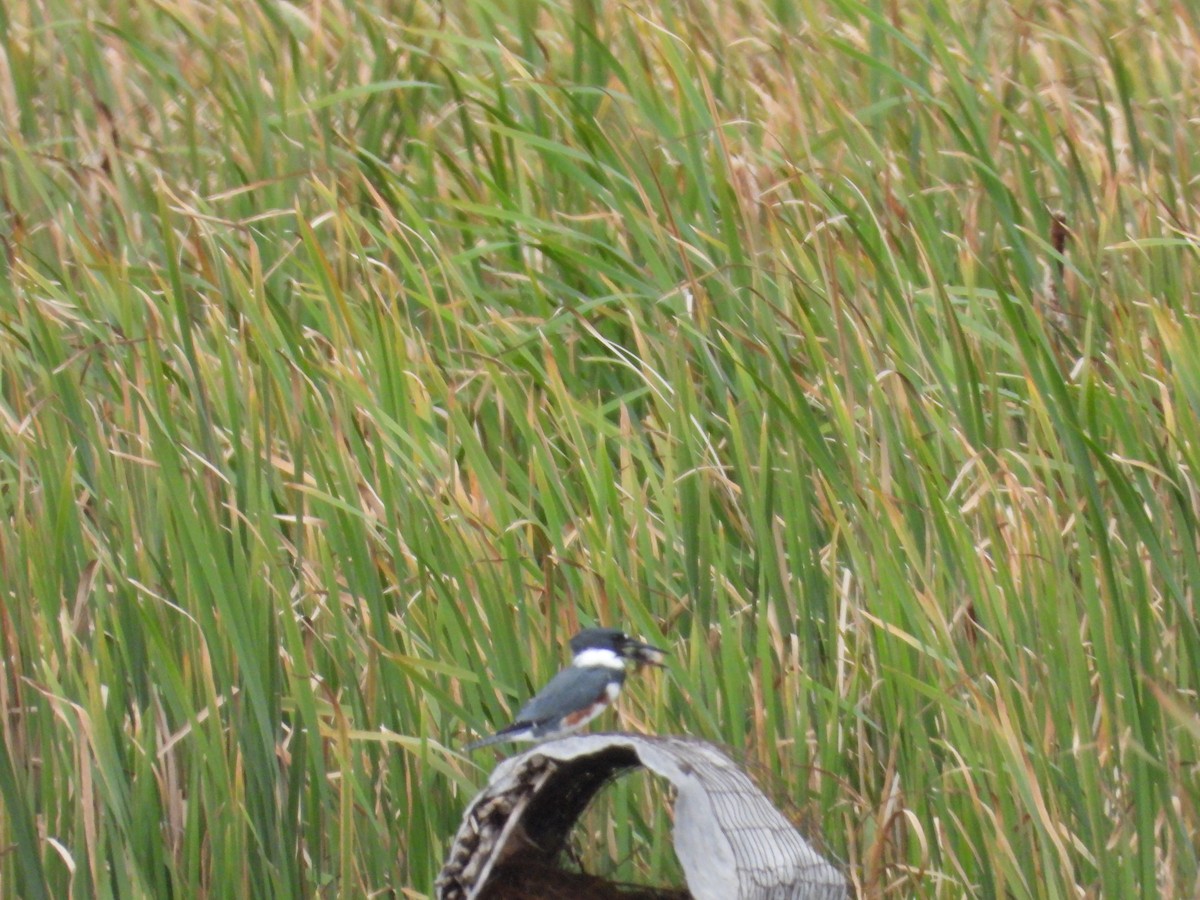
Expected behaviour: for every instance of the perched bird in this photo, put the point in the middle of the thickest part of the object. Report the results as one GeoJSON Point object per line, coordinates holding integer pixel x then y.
{"type": "Point", "coordinates": [580, 692]}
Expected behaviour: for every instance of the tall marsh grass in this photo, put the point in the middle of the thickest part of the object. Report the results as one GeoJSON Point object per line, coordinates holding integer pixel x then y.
{"type": "Point", "coordinates": [353, 354]}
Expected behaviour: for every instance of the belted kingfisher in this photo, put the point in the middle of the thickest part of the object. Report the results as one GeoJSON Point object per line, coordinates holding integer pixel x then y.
{"type": "Point", "coordinates": [580, 692]}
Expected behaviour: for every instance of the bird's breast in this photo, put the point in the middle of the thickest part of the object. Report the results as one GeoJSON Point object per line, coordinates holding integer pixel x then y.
{"type": "Point", "coordinates": [581, 717]}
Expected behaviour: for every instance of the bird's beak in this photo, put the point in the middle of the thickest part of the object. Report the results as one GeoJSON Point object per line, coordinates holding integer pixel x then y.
{"type": "Point", "coordinates": [644, 654]}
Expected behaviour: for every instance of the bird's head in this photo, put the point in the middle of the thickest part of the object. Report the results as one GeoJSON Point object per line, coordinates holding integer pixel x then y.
{"type": "Point", "coordinates": [612, 647]}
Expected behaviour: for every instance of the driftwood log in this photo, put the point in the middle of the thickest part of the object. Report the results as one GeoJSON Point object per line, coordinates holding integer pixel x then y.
{"type": "Point", "coordinates": [731, 842]}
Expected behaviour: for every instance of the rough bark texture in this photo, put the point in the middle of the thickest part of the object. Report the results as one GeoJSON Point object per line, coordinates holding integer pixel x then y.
{"type": "Point", "coordinates": [732, 843]}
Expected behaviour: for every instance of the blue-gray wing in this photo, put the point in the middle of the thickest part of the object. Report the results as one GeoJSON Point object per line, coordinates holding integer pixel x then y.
{"type": "Point", "coordinates": [571, 689]}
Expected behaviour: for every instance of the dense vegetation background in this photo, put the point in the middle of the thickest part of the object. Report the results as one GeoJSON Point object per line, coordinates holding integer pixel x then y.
{"type": "Point", "coordinates": [353, 354]}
